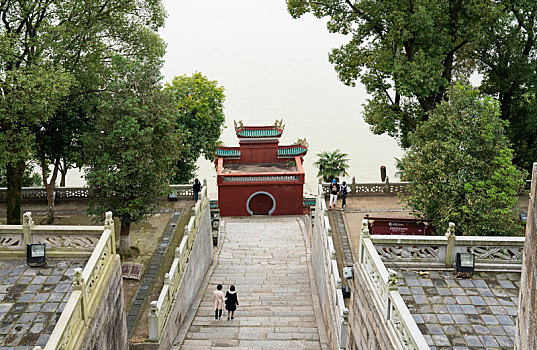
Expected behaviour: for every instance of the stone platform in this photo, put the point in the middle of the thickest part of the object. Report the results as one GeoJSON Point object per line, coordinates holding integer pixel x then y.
{"type": "Point", "coordinates": [267, 259]}
{"type": "Point", "coordinates": [31, 300]}
{"type": "Point", "coordinates": [462, 314]}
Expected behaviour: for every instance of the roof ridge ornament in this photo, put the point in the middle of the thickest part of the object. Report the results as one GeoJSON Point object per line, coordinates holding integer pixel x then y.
{"type": "Point", "coordinates": [279, 124]}
{"type": "Point", "coordinates": [238, 125]}
{"type": "Point", "coordinates": [301, 142]}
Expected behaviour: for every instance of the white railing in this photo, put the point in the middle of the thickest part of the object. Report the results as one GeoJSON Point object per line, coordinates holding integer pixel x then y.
{"type": "Point", "coordinates": [383, 282]}
{"type": "Point", "coordinates": [88, 285]}
{"type": "Point", "coordinates": [371, 188]}
{"type": "Point", "coordinates": [71, 241]}
{"type": "Point", "coordinates": [439, 251]}
{"type": "Point", "coordinates": [338, 312]}
{"type": "Point", "coordinates": [39, 193]}
{"type": "Point", "coordinates": [160, 308]}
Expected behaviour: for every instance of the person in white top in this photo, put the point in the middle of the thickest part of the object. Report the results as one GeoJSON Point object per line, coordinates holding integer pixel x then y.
{"type": "Point", "coordinates": [218, 299]}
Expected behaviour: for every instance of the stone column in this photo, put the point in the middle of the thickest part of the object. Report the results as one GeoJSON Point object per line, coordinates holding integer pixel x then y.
{"type": "Point", "coordinates": [450, 247]}
{"type": "Point", "coordinates": [27, 224]}
{"type": "Point", "coordinates": [364, 233]}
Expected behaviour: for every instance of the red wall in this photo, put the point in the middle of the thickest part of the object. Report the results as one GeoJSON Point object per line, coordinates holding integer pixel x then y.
{"type": "Point", "coordinates": [256, 152]}
{"type": "Point", "coordinates": [232, 198]}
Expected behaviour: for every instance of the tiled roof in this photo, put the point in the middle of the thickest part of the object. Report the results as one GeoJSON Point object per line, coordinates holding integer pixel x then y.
{"type": "Point", "coordinates": [260, 133]}
{"type": "Point", "coordinates": [295, 151]}
{"type": "Point", "coordinates": [228, 153]}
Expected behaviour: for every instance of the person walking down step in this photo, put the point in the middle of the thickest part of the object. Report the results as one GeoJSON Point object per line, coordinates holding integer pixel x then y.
{"type": "Point", "coordinates": [231, 302]}
{"type": "Point", "coordinates": [344, 190]}
{"type": "Point", "coordinates": [218, 299]}
{"type": "Point", "coordinates": [334, 191]}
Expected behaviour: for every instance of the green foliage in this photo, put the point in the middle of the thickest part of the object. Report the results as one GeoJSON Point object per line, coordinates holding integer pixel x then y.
{"type": "Point", "coordinates": [331, 165]}
{"type": "Point", "coordinates": [460, 167]}
{"type": "Point", "coordinates": [133, 149]}
{"type": "Point", "coordinates": [200, 118]}
{"type": "Point", "coordinates": [508, 57]}
{"type": "Point", "coordinates": [405, 53]}
{"type": "Point", "coordinates": [30, 179]}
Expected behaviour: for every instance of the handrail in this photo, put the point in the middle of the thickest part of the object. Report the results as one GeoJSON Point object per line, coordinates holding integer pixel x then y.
{"type": "Point", "coordinates": [88, 285]}
{"type": "Point", "coordinates": [383, 283]}
{"type": "Point", "coordinates": [160, 308]}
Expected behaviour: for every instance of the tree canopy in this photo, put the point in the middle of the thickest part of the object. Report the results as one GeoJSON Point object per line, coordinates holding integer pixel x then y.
{"type": "Point", "coordinates": [50, 50]}
{"type": "Point", "coordinates": [460, 167]}
{"type": "Point", "coordinates": [200, 117]}
{"type": "Point", "coordinates": [132, 152]}
{"type": "Point", "coordinates": [407, 54]}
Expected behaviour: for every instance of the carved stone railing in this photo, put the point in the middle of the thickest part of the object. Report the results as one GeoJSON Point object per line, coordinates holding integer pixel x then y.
{"type": "Point", "coordinates": [371, 188]}
{"type": "Point", "coordinates": [491, 253]}
{"type": "Point", "coordinates": [61, 241]}
{"type": "Point", "coordinates": [40, 194]}
{"type": "Point", "coordinates": [88, 286]}
{"type": "Point", "coordinates": [383, 283]}
{"type": "Point", "coordinates": [260, 178]}
{"type": "Point", "coordinates": [327, 273]}
{"type": "Point", "coordinates": [160, 308]}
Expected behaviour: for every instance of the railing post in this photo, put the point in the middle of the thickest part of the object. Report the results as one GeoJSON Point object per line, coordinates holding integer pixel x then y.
{"type": "Point", "coordinates": [344, 328]}
{"type": "Point", "coordinates": [80, 284]}
{"type": "Point", "coordinates": [168, 283]}
{"type": "Point", "coordinates": [364, 233]}
{"type": "Point", "coordinates": [450, 247]}
{"type": "Point", "coordinates": [109, 224]}
{"type": "Point", "coordinates": [27, 224]}
{"type": "Point", "coordinates": [391, 285]}
{"type": "Point", "coordinates": [353, 185]}
{"type": "Point", "coordinates": [153, 321]}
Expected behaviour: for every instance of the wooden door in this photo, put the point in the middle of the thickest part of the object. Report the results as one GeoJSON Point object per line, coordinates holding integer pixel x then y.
{"type": "Point", "coordinates": [260, 204]}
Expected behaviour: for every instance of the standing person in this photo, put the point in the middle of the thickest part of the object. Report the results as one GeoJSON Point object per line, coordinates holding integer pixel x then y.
{"type": "Point", "coordinates": [344, 190]}
{"type": "Point", "coordinates": [334, 191]}
{"type": "Point", "coordinates": [196, 188]}
{"type": "Point", "coordinates": [218, 299]}
{"type": "Point", "coordinates": [231, 302]}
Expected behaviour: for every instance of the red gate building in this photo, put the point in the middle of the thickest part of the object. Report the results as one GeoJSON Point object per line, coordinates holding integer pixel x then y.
{"type": "Point", "coordinates": [260, 177]}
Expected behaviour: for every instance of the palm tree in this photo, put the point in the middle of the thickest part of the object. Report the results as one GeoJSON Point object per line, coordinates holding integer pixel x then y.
{"type": "Point", "coordinates": [331, 164]}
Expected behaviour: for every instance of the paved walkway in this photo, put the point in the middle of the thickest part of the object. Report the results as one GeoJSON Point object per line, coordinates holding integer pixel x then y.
{"type": "Point", "coordinates": [268, 260]}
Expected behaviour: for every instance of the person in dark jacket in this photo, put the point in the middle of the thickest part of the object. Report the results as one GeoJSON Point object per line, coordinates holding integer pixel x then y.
{"type": "Point", "coordinates": [196, 188]}
{"type": "Point", "coordinates": [231, 302]}
{"type": "Point", "coordinates": [344, 190]}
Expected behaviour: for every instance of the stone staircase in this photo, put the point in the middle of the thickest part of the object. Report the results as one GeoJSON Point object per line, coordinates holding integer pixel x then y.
{"type": "Point", "coordinates": [268, 260]}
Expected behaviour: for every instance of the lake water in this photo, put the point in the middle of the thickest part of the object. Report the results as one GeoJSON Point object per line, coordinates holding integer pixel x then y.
{"type": "Point", "coordinates": [273, 67]}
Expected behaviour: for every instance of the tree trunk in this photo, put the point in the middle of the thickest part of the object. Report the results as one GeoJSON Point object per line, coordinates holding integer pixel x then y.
{"type": "Point", "coordinates": [49, 186]}
{"type": "Point", "coordinates": [63, 172]}
{"type": "Point", "coordinates": [125, 240]}
{"type": "Point", "coordinates": [14, 192]}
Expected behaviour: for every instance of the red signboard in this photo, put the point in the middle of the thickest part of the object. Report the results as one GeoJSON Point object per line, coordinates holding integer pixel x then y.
{"type": "Point", "coordinates": [398, 226]}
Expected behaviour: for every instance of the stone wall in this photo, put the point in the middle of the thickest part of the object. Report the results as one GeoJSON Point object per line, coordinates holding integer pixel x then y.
{"type": "Point", "coordinates": [367, 328]}
{"type": "Point", "coordinates": [526, 336]}
{"type": "Point", "coordinates": [108, 327]}
{"type": "Point", "coordinates": [200, 261]}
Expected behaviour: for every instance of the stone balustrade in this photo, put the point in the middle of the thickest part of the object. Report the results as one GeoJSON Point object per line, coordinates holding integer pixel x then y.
{"type": "Point", "coordinates": [383, 283]}
{"type": "Point", "coordinates": [61, 241]}
{"type": "Point", "coordinates": [326, 273]}
{"type": "Point", "coordinates": [498, 253]}
{"type": "Point", "coordinates": [371, 188]}
{"type": "Point", "coordinates": [88, 286]}
{"type": "Point", "coordinates": [39, 194]}
{"type": "Point", "coordinates": [160, 308]}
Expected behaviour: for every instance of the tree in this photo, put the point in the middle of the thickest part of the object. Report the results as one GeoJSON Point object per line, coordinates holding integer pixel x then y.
{"type": "Point", "coordinates": [331, 165]}
{"type": "Point", "coordinates": [30, 179]}
{"type": "Point", "coordinates": [200, 118]}
{"type": "Point", "coordinates": [405, 53]}
{"type": "Point", "coordinates": [460, 167]}
{"type": "Point", "coordinates": [43, 45]}
{"type": "Point", "coordinates": [507, 60]}
{"type": "Point", "coordinates": [132, 153]}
